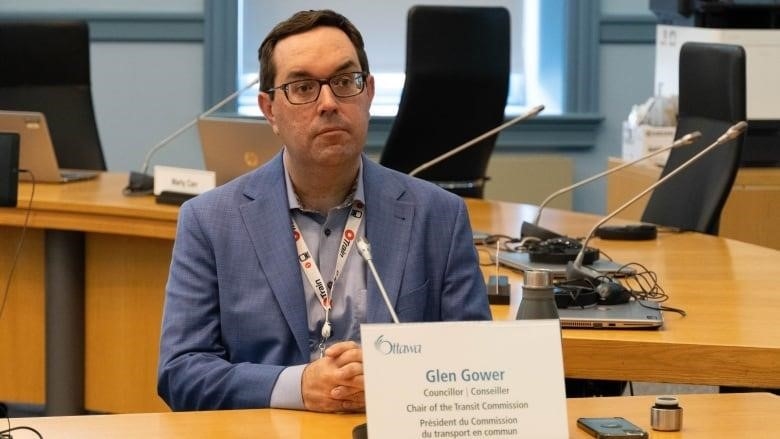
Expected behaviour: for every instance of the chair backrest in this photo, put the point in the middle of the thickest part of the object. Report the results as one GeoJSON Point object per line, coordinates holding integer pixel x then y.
{"type": "Point", "coordinates": [711, 99]}
{"type": "Point", "coordinates": [457, 80]}
{"type": "Point", "coordinates": [45, 66]}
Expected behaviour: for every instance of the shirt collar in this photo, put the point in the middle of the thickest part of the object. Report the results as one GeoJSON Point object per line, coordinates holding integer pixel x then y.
{"type": "Point", "coordinates": [355, 194]}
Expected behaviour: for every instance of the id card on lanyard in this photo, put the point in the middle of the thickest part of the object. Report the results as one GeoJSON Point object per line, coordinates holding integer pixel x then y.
{"type": "Point", "coordinates": [323, 291]}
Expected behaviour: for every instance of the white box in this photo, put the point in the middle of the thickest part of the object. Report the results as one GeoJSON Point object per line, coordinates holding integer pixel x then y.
{"type": "Point", "coordinates": [762, 63]}
{"type": "Point", "coordinates": [640, 140]}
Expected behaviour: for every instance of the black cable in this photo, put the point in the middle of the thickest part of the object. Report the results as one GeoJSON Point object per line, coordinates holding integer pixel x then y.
{"type": "Point", "coordinates": [18, 251]}
{"type": "Point", "coordinates": [4, 414]}
{"type": "Point", "coordinates": [7, 433]}
{"type": "Point", "coordinates": [644, 285]}
{"type": "Point", "coordinates": [680, 311]}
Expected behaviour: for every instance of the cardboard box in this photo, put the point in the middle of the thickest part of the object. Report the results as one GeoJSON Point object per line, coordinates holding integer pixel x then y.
{"type": "Point", "coordinates": [640, 140]}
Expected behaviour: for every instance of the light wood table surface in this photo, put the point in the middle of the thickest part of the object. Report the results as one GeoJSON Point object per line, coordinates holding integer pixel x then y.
{"type": "Point", "coordinates": [727, 288]}
{"type": "Point", "coordinates": [706, 416]}
{"type": "Point", "coordinates": [730, 336]}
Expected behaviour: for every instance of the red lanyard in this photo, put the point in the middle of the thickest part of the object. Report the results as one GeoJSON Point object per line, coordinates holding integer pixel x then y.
{"type": "Point", "coordinates": [324, 292]}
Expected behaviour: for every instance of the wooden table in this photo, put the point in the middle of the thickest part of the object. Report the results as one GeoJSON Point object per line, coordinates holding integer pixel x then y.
{"type": "Point", "coordinates": [730, 336]}
{"type": "Point", "coordinates": [706, 416]}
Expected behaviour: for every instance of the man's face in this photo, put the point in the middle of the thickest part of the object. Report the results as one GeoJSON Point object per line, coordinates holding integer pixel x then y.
{"type": "Point", "coordinates": [329, 131]}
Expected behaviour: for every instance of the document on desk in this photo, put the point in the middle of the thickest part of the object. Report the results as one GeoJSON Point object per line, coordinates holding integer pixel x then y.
{"type": "Point", "coordinates": [464, 379]}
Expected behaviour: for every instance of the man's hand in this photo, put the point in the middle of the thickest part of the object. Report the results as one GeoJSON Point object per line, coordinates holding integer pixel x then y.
{"type": "Point", "coordinates": [334, 383]}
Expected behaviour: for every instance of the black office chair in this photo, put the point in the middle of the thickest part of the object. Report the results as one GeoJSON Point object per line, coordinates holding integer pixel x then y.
{"type": "Point", "coordinates": [711, 99]}
{"type": "Point", "coordinates": [44, 66]}
{"type": "Point", "coordinates": [457, 81]}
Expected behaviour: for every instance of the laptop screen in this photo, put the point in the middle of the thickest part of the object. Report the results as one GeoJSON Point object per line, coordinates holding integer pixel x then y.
{"type": "Point", "coordinates": [235, 146]}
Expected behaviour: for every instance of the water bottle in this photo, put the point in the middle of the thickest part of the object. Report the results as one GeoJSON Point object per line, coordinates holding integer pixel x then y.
{"type": "Point", "coordinates": [538, 301]}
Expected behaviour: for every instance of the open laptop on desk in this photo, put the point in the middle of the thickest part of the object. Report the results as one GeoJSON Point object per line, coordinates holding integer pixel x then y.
{"type": "Point", "coordinates": [36, 150]}
{"type": "Point", "coordinates": [235, 146]}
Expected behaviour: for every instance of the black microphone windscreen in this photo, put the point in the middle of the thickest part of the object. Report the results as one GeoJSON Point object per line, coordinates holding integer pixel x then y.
{"type": "Point", "coordinates": [139, 184]}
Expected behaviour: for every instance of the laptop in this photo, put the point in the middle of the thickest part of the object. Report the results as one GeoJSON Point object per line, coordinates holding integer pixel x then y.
{"type": "Point", "coordinates": [235, 146]}
{"type": "Point", "coordinates": [522, 261]}
{"type": "Point", "coordinates": [36, 150]}
{"type": "Point", "coordinates": [635, 314]}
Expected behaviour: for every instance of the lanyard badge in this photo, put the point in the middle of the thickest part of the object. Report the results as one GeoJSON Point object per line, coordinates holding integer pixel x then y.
{"type": "Point", "coordinates": [323, 291]}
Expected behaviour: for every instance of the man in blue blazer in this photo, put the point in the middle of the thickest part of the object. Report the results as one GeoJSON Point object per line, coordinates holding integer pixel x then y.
{"type": "Point", "coordinates": [266, 293]}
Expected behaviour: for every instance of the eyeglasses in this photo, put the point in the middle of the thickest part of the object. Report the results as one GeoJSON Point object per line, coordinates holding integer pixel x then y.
{"type": "Point", "coordinates": [304, 91]}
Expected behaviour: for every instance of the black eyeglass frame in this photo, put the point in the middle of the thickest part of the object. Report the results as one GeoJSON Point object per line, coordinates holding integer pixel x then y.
{"type": "Point", "coordinates": [358, 77]}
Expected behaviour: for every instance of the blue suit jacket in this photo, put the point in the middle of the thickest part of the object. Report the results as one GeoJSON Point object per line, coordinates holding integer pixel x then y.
{"type": "Point", "coordinates": [235, 312]}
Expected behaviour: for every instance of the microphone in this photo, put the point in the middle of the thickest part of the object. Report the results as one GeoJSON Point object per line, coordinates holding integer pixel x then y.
{"type": "Point", "coordinates": [364, 248]}
{"type": "Point", "coordinates": [558, 249]}
{"type": "Point", "coordinates": [527, 115]}
{"type": "Point", "coordinates": [577, 270]}
{"type": "Point", "coordinates": [365, 251]}
{"type": "Point", "coordinates": [141, 183]}
{"type": "Point", "coordinates": [682, 141]}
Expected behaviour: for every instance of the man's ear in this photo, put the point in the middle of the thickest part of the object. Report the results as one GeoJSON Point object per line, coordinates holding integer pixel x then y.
{"type": "Point", "coordinates": [266, 106]}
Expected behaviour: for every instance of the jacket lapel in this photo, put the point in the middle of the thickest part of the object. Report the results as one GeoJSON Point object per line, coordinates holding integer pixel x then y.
{"type": "Point", "coordinates": [271, 235]}
{"type": "Point", "coordinates": [388, 230]}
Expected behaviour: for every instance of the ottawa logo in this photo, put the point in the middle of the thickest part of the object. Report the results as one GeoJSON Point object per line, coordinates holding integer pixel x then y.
{"type": "Point", "coordinates": [388, 347]}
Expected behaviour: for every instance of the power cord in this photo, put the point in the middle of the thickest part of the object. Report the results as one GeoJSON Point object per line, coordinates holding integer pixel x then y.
{"type": "Point", "coordinates": [6, 434]}
{"type": "Point", "coordinates": [4, 414]}
{"type": "Point", "coordinates": [18, 250]}
{"type": "Point", "coordinates": [644, 285]}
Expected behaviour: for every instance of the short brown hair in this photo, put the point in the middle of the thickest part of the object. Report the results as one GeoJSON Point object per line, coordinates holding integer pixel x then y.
{"type": "Point", "coordinates": [301, 22]}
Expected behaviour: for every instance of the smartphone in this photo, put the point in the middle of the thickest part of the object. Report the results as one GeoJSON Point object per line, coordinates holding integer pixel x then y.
{"type": "Point", "coordinates": [611, 428]}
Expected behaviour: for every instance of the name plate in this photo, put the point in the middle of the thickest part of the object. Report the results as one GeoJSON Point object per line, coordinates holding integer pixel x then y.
{"type": "Point", "coordinates": [183, 180]}
{"type": "Point", "coordinates": [464, 380]}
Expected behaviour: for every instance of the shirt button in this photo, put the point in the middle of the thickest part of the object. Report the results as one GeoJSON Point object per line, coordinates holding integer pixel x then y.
{"type": "Point", "coordinates": [327, 232]}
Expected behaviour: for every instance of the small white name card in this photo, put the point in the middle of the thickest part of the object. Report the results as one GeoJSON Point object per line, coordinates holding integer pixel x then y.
{"type": "Point", "coordinates": [465, 380]}
{"type": "Point", "coordinates": [183, 180]}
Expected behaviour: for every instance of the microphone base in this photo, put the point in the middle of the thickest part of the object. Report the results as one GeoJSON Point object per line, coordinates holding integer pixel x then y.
{"type": "Point", "coordinates": [360, 431]}
{"type": "Point", "coordinates": [635, 232]}
{"type": "Point", "coordinates": [499, 290]}
{"type": "Point", "coordinates": [174, 198]}
{"type": "Point", "coordinates": [139, 184]}
{"type": "Point", "coordinates": [562, 256]}
{"type": "Point", "coordinates": [532, 230]}
{"type": "Point", "coordinates": [560, 251]}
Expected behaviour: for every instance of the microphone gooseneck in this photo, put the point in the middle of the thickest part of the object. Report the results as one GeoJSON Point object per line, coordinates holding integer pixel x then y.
{"type": "Point", "coordinates": [682, 141]}
{"type": "Point", "coordinates": [364, 248]}
{"type": "Point", "coordinates": [188, 125]}
{"type": "Point", "coordinates": [527, 115]}
{"type": "Point", "coordinates": [577, 269]}
{"type": "Point", "coordinates": [142, 183]}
